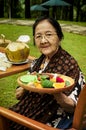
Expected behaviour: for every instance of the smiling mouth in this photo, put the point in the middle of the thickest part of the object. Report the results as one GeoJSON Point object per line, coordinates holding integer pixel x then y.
{"type": "Point", "coordinates": [45, 46]}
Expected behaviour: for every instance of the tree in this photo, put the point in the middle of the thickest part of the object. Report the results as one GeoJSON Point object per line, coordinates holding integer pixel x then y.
{"type": "Point", "coordinates": [69, 10]}
{"type": "Point", "coordinates": [80, 12]}
{"type": "Point", "coordinates": [1, 8]}
{"type": "Point", "coordinates": [83, 11]}
{"type": "Point", "coordinates": [27, 9]}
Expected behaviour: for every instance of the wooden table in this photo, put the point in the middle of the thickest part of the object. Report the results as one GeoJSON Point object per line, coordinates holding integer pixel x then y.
{"type": "Point", "coordinates": [14, 69]}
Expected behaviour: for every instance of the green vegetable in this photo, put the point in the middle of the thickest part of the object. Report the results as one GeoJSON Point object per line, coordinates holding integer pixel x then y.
{"type": "Point", "coordinates": [28, 78]}
{"type": "Point", "coordinates": [45, 77]}
{"type": "Point", "coordinates": [67, 83]}
{"type": "Point", "coordinates": [47, 83]}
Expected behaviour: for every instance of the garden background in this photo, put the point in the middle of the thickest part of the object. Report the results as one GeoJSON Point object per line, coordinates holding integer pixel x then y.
{"type": "Point", "coordinates": [75, 44]}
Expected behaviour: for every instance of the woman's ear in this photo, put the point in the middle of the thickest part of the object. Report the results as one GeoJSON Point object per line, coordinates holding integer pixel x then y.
{"type": "Point", "coordinates": [59, 43]}
{"type": "Point", "coordinates": [34, 41]}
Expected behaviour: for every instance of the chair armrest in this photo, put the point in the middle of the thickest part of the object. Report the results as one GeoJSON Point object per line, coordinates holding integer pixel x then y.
{"type": "Point", "coordinates": [25, 121]}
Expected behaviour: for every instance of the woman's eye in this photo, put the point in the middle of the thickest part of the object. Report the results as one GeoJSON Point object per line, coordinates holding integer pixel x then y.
{"type": "Point", "coordinates": [49, 34]}
{"type": "Point", "coordinates": [38, 36]}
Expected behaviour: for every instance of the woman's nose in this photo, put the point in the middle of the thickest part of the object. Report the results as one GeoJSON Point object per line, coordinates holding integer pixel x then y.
{"type": "Point", "coordinates": [43, 39]}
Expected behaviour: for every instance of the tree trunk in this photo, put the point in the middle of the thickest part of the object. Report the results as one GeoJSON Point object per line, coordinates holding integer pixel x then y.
{"type": "Point", "coordinates": [78, 10]}
{"type": "Point", "coordinates": [14, 8]}
{"type": "Point", "coordinates": [1, 8]}
{"type": "Point", "coordinates": [27, 9]}
{"type": "Point", "coordinates": [70, 10]}
{"type": "Point", "coordinates": [71, 13]}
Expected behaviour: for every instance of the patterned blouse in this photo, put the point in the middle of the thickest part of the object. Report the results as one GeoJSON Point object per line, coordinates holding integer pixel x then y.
{"type": "Point", "coordinates": [43, 107]}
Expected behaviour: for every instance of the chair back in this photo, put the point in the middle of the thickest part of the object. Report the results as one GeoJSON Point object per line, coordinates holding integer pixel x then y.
{"type": "Point", "coordinates": [79, 120]}
{"type": "Point", "coordinates": [6, 115]}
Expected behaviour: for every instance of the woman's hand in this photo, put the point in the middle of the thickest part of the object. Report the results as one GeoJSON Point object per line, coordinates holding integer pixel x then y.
{"type": "Point", "coordinates": [19, 92]}
{"type": "Point", "coordinates": [65, 102]}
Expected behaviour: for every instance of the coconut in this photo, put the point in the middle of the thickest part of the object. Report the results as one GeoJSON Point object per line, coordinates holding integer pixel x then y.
{"type": "Point", "coordinates": [17, 51]}
{"type": "Point", "coordinates": [3, 41]}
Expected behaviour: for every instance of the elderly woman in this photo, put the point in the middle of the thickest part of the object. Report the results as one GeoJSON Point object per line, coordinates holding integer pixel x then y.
{"type": "Point", "coordinates": [52, 109]}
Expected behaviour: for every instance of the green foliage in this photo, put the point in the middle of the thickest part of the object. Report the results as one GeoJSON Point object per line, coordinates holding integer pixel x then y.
{"type": "Point", "coordinates": [74, 44]}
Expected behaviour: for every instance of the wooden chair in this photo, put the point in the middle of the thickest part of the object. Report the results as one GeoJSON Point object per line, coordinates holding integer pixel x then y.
{"type": "Point", "coordinates": [79, 121]}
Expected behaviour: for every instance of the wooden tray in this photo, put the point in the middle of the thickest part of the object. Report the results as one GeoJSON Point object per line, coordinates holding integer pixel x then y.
{"type": "Point", "coordinates": [48, 90]}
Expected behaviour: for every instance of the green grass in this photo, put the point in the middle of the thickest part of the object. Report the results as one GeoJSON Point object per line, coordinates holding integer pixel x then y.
{"type": "Point", "coordinates": [73, 23]}
{"type": "Point", "coordinates": [76, 46]}
{"type": "Point", "coordinates": [73, 43]}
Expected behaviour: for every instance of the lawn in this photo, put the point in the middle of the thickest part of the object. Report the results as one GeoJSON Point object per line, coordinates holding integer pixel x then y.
{"type": "Point", "coordinates": [73, 43]}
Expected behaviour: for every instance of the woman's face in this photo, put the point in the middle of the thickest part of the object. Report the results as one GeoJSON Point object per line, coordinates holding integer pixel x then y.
{"type": "Point", "coordinates": [46, 38]}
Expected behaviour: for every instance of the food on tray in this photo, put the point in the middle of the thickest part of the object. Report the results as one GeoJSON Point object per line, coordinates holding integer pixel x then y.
{"type": "Point", "coordinates": [59, 85]}
{"type": "Point", "coordinates": [47, 83]}
{"type": "Point", "coordinates": [45, 80]}
{"type": "Point", "coordinates": [17, 51]}
{"type": "Point", "coordinates": [28, 78]}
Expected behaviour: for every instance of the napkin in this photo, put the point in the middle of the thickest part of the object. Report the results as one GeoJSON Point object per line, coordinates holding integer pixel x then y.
{"type": "Point", "coordinates": [24, 38]}
{"type": "Point", "coordinates": [4, 63]}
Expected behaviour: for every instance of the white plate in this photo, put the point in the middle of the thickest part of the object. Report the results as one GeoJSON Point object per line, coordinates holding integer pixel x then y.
{"type": "Point", "coordinates": [22, 62]}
